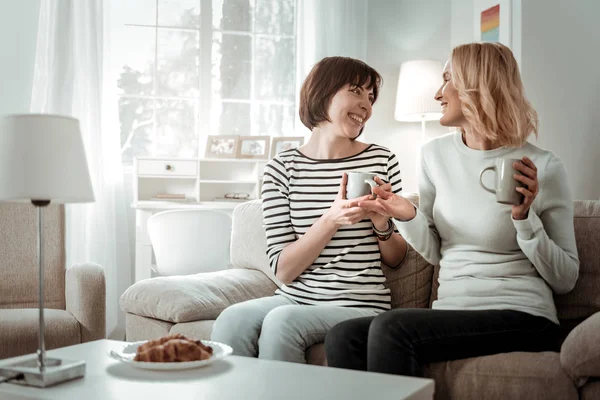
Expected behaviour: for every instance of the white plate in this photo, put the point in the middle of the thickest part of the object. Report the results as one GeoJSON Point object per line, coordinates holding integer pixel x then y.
{"type": "Point", "coordinates": [127, 352]}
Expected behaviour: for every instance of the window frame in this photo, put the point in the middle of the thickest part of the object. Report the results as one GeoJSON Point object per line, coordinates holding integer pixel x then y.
{"type": "Point", "coordinates": [206, 30]}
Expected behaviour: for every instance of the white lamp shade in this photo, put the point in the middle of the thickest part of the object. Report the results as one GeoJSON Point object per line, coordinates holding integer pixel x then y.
{"type": "Point", "coordinates": [418, 82]}
{"type": "Point", "coordinates": [42, 158]}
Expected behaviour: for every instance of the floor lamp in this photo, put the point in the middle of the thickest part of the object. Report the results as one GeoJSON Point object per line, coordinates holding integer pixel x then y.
{"type": "Point", "coordinates": [42, 161]}
{"type": "Point", "coordinates": [418, 82]}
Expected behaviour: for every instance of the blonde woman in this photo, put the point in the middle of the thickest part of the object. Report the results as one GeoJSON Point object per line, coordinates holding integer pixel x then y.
{"type": "Point", "coordinates": [499, 264]}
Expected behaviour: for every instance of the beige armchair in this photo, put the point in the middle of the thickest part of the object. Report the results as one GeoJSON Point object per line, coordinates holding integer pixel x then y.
{"type": "Point", "coordinates": [74, 298]}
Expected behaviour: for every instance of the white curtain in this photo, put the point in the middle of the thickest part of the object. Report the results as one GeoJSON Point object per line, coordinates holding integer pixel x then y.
{"type": "Point", "coordinates": [329, 28]}
{"type": "Point", "coordinates": [73, 76]}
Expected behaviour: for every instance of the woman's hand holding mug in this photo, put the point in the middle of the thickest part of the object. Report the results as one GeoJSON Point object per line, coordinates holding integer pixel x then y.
{"type": "Point", "coordinates": [343, 211]}
{"type": "Point", "coordinates": [528, 177]}
{"type": "Point", "coordinates": [378, 220]}
{"type": "Point", "coordinates": [516, 184]}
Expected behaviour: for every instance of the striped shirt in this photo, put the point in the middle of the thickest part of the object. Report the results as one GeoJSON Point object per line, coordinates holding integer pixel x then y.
{"type": "Point", "coordinates": [297, 191]}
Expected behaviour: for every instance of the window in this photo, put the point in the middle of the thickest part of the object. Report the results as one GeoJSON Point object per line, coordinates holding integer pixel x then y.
{"type": "Point", "coordinates": [193, 68]}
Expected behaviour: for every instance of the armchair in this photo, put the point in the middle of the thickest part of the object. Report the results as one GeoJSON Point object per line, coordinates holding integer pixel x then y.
{"type": "Point", "coordinates": [74, 298]}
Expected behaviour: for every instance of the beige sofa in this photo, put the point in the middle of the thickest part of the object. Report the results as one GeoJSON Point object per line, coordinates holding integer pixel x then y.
{"type": "Point", "coordinates": [189, 305]}
{"type": "Point", "coordinates": [74, 299]}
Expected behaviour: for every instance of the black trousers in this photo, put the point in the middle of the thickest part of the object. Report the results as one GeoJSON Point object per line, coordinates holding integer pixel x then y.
{"type": "Point", "coordinates": [402, 340]}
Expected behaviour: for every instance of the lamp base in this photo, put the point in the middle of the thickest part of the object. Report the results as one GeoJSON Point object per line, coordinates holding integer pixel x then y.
{"type": "Point", "coordinates": [57, 371]}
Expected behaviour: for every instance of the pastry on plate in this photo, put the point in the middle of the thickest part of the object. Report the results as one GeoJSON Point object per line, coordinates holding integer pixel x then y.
{"type": "Point", "coordinates": [173, 348]}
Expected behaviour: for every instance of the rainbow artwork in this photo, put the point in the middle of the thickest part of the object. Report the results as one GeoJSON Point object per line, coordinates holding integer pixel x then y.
{"type": "Point", "coordinates": [490, 24]}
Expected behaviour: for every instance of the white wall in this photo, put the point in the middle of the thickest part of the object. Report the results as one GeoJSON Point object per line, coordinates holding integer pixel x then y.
{"type": "Point", "coordinates": [398, 31]}
{"type": "Point", "coordinates": [561, 72]}
{"type": "Point", "coordinates": [461, 25]}
{"type": "Point", "coordinates": [18, 36]}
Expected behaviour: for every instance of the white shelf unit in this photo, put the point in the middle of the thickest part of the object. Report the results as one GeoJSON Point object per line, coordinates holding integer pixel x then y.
{"type": "Point", "coordinates": [219, 177]}
{"type": "Point", "coordinates": [200, 180]}
{"type": "Point", "coordinates": [153, 176]}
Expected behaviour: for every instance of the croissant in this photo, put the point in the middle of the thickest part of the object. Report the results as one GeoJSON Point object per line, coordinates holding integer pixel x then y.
{"type": "Point", "coordinates": [174, 348]}
{"type": "Point", "coordinates": [159, 341]}
{"type": "Point", "coordinates": [204, 347]}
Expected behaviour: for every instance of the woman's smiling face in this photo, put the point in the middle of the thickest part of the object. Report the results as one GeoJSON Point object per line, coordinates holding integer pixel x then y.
{"type": "Point", "coordinates": [447, 95]}
{"type": "Point", "coordinates": [350, 108]}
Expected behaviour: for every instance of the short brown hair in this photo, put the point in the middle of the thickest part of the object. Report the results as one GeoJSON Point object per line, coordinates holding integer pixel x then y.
{"type": "Point", "coordinates": [490, 89]}
{"type": "Point", "coordinates": [325, 79]}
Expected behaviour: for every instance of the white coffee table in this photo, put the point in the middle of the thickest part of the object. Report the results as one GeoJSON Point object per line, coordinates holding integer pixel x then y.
{"type": "Point", "coordinates": [233, 378]}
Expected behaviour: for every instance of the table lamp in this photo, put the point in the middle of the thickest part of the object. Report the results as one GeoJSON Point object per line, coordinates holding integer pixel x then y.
{"type": "Point", "coordinates": [42, 161]}
{"type": "Point", "coordinates": [418, 82]}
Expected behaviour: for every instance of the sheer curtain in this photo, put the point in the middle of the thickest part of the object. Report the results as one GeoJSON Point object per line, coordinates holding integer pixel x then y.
{"type": "Point", "coordinates": [329, 28]}
{"type": "Point", "coordinates": [73, 77]}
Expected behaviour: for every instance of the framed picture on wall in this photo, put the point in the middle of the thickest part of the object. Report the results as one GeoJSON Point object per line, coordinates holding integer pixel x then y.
{"type": "Point", "coordinates": [283, 143]}
{"type": "Point", "coordinates": [254, 147]}
{"type": "Point", "coordinates": [493, 21]}
{"type": "Point", "coordinates": [222, 146]}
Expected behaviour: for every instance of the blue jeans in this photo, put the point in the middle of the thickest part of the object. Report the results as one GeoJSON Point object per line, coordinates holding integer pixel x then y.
{"type": "Point", "coordinates": [277, 328]}
{"type": "Point", "coordinates": [402, 341]}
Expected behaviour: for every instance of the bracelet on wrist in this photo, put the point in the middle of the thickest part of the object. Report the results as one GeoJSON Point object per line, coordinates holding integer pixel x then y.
{"type": "Point", "coordinates": [386, 234]}
{"type": "Point", "coordinates": [388, 229]}
{"type": "Point", "coordinates": [383, 238]}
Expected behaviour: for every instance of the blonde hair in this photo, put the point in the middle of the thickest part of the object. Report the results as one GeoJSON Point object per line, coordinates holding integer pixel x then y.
{"type": "Point", "coordinates": [486, 76]}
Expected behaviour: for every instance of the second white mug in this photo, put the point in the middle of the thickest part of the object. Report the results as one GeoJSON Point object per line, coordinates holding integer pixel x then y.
{"type": "Point", "coordinates": [505, 183]}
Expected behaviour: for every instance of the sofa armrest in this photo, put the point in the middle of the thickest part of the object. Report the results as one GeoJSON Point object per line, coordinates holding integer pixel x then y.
{"type": "Point", "coordinates": [186, 298]}
{"type": "Point", "coordinates": [580, 352]}
{"type": "Point", "coordinates": [85, 296]}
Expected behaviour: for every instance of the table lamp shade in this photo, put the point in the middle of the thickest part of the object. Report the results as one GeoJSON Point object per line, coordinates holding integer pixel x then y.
{"type": "Point", "coordinates": [418, 82]}
{"type": "Point", "coordinates": [42, 158]}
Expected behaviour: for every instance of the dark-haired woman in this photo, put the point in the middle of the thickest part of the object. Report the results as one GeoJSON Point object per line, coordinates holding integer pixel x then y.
{"type": "Point", "coordinates": [325, 250]}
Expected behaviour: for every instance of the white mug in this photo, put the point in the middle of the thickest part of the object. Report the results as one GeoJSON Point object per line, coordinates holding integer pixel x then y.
{"type": "Point", "coordinates": [505, 183]}
{"type": "Point", "coordinates": [360, 184]}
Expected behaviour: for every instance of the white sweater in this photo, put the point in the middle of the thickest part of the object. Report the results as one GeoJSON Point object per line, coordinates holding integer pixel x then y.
{"type": "Point", "coordinates": [487, 259]}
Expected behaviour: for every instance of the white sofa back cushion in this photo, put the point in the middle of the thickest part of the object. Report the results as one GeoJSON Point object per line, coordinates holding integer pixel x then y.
{"type": "Point", "coordinates": [248, 240]}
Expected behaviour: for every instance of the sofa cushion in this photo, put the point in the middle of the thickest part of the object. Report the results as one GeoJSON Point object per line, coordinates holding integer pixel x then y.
{"type": "Point", "coordinates": [248, 239]}
{"type": "Point", "coordinates": [580, 352]}
{"type": "Point", "coordinates": [584, 299]}
{"type": "Point", "coordinates": [410, 283]}
{"type": "Point", "coordinates": [315, 355]}
{"type": "Point", "coordinates": [185, 298]}
{"type": "Point", "coordinates": [199, 330]}
{"type": "Point", "coordinates": [502, 376]}
{"type": "Point", "coordinates": [591, 390]}
{"type": "Point", "coordinates": [143, 328]}
{"type": "Point", "coordinates": [435, 285]}
{"type": "Point", "coordinates": [19, 330]}
{"type": "Point", "coordinates": [517, 375]}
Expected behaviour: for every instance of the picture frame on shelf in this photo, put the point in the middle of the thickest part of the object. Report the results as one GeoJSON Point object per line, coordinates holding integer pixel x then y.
{"type": "Point", "coordinates": [282, 143]}
{"type": "Point", "coordinates": [493, 21]}
{"type": "Point", "coordinates": [222, 146]}
{"type": "Point", "coordinates": [256, 147]}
